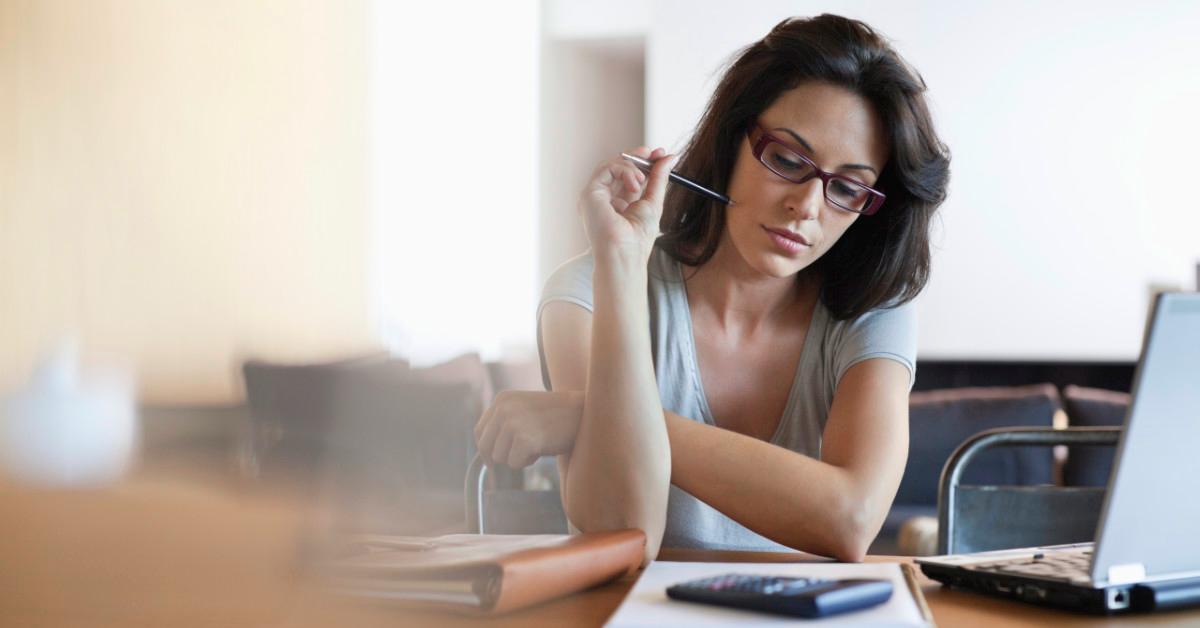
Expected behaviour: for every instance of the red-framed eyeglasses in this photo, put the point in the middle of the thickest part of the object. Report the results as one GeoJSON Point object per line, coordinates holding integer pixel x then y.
{"type": "Point", "coordinates": [785, 160]}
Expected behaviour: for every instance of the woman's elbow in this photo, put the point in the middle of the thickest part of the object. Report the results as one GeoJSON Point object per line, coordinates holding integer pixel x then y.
{"type": "Point", "coordinates": [587, 518]}
{"type": "Point", "coordinates": [606, 499]}
{"type": "Point", "coordinates": [857, 530]}
{"type": "Point", "coordinates": [592, 516]}
{"type": "Point", "coordinates": [850, 549]}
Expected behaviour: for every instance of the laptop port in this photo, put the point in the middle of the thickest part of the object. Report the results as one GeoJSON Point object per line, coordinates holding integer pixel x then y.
{"type": "Point", "coordinates": [1032, 592]}
{"type": "Point", "coordinates": [1118, 599]}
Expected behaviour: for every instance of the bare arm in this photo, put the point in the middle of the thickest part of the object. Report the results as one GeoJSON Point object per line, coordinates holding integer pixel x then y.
{"type": "Point", "coordinates": [833, 506]}
{"type": "Point", "coordinates": [603, 415]}
{"type": "Point", "coordinates": [620, 468]}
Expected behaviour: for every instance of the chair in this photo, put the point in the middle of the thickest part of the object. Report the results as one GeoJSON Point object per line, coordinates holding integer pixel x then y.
{"type": "Point", "coordinates": [939, 421]}
{"type": "Point", "coordinates": [513, 511]}
{"type": "Point", "coordinates": [974, 518]}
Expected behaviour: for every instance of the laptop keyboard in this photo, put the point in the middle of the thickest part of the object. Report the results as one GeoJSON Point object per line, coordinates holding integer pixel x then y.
{"type": "Point", "coordinates": [1070, 565]}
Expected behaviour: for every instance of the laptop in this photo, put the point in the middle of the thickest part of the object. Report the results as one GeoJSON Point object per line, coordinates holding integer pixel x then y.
{"type": "Point", "coordinates": [1146, 555]}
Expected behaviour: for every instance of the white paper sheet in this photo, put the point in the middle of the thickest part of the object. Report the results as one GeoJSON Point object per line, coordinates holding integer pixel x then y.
{"type": "Point", "coordinates": [648, 605]}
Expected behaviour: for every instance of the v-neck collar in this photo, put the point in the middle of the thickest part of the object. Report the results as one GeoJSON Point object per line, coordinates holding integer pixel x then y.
{"type": "Point", "coordinates": [816, 324]}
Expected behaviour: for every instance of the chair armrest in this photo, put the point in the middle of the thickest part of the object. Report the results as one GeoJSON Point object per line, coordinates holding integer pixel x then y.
{"type": "Point", "coordinates": [477, 473]}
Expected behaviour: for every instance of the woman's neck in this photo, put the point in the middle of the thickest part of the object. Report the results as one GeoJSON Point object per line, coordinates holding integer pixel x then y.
{"type": "Point", "coordinates": [741, 300]}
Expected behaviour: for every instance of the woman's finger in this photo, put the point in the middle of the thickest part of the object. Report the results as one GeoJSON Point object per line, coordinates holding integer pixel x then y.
{"type": "Point", "coordinates": [519, 454]}
{"type": "Point", "coordinates": [523, 461]}
{"type": "Point", "coordinates": [633, 184]}
{"type": "Point", "coordinates": [486, 445]}
{"type": "Point", "coordinates": [610, 178]}
{"type": "Point", "coordinates": [504, 441]}
{"type": "Point", "coordinates": [616, 184]}
{"type": "Point", "coordinates": [484, 419]}
{"type": "Point", "coordinates": [630, 192]}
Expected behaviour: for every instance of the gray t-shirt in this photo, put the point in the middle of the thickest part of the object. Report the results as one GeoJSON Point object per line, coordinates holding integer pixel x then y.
{"type": "Point", "coordinates": [830, 348]}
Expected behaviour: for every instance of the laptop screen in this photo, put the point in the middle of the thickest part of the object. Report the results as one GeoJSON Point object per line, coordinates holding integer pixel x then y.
{"type": "Point", "coordinates": [1151, 518]}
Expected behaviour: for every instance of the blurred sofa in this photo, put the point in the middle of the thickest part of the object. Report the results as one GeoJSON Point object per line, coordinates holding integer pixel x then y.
{"type": "Point", "coordinates": [1092, 407]}
{"type": "Point", "coordinates": [381, 445]}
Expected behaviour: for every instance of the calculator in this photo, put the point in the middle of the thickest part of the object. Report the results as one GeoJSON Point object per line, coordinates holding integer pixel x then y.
{"type": "Point", "coordinates": [798, 597]}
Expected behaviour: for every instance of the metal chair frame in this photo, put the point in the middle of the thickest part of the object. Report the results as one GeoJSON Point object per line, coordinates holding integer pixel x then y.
{"type": "Point", "coordinates": [1007, 437]}
{"type": "Point", "coordinates": [477, 473]}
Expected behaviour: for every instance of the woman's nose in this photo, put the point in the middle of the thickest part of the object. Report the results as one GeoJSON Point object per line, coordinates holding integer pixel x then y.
{"type": "Point", "coordinates": [806, 199]}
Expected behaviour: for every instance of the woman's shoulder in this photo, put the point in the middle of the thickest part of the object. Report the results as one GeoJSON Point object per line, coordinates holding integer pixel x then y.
{"type": "Point", "coordinates": [574, 267]}
{"type": "Point", "coordinates": [571, 281]}
{"type": "Point", "coordinates": [887, 332]}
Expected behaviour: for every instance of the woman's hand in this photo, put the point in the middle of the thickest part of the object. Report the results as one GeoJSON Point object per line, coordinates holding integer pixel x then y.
{"type": "Point", "coordinates": [621, 208]}
{"type": "Point", "coordinates": [521, 426]}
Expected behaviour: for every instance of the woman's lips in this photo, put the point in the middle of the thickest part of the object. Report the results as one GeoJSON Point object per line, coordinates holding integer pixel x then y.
{"type": "Point", "coordinates": [787, 241]}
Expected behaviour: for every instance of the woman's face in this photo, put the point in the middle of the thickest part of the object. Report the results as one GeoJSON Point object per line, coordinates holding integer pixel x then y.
{"type": "Point", "coordinates": [840, 132]}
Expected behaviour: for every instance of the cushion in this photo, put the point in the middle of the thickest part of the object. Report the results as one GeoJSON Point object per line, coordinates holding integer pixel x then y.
{"type": "Point", "coordinates": [291, 406]}
{"type": "Point", "coordinates": [516, 374]}
{"type": "Point", "coordinates": [1092, 407]}
{"type": "Point", "coordinates": [941, 420]}
{"type": "Point", "coordinates": [396, 455]}
{"type": "Point", "coordinates": [466, 369]}
{"type": "Point", "coordinates": [918, 537]}
{"type": "Point", "coordinates": [385, 444]}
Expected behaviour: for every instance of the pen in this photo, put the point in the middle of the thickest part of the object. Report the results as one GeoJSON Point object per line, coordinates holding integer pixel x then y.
{"type": "Point", "coordinates": [644, 166]}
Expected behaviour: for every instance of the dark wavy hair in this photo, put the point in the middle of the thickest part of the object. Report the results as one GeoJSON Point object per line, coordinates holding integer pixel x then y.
{"type": "Point", "coordinates": [881, 260]}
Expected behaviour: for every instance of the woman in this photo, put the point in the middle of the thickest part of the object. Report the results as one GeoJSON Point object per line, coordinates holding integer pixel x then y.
{"type": "Point", "coordinates": [741, 382]}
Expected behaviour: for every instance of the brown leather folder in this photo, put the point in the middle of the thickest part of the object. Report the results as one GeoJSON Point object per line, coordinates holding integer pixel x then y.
{"type": "Point", "coordinates": [483, 573]}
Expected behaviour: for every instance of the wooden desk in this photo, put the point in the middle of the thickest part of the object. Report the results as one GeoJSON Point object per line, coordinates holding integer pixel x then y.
{"type": "Point", "coordinates": [159, 552]}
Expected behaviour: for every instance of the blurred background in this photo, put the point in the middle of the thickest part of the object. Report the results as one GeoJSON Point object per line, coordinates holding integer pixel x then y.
{"type": "Point", "coordinates": [235, 226]}
{"type": "Point", "coordinates": [188, 184]}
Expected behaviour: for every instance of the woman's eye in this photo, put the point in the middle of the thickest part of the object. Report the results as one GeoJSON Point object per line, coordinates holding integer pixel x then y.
{"type": "Point", "coordinates": [845, 190]}
{"type": "Point", "coordinates": [787, 164]}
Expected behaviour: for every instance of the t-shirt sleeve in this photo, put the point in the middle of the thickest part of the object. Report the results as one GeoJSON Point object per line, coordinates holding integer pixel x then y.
{"type": "Point", "coordinates": [571, 282]}
{"type": "Point", "coordinates": [889, 333]}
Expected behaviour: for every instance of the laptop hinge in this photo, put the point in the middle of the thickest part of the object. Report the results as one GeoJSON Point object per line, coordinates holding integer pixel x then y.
{"type": "Point", "coordinates": [1127, 573]}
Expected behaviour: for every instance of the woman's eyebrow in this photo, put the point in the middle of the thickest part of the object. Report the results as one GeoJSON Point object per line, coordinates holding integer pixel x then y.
{"type": "Point", "coordinates": [859, 167]}
{"type": "Point", "coordinates": [808, 147]}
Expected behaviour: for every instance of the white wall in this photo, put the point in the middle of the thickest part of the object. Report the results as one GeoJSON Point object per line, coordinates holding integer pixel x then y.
{"type": "Point", "coordinates": [1074, 135]}
{"type": "Point", "coordinates": [592, 108]}
{"type": "Point", "coordinates": [454, 138]}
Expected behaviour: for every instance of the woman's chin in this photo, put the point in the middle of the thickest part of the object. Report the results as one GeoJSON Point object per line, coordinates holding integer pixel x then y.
{"type": "Point", "coordinates": [777, 266]}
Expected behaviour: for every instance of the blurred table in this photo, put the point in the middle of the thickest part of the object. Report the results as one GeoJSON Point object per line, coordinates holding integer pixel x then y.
{"type": "Point", "coordinates": [158, 551]}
